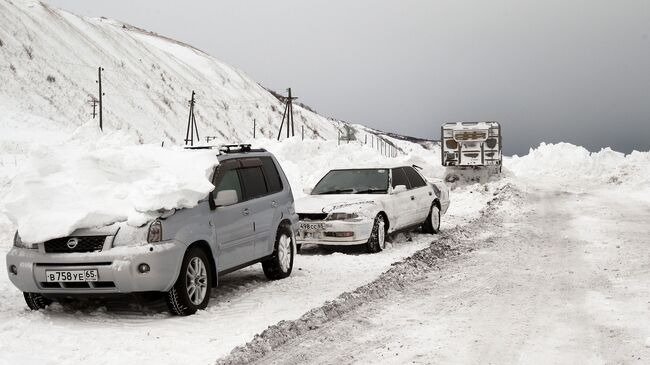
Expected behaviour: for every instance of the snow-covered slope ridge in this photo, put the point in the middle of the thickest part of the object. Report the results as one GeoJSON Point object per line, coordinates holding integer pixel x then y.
{"type": "Point", "coordinates": [49, 62]}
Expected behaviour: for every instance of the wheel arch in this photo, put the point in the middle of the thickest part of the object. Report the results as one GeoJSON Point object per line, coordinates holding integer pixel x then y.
{"type": "Point", "coordinates": [386, 220]}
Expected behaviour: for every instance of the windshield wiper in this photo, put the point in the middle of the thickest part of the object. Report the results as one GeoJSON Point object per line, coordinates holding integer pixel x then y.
{"type": "Point", "coordinates": [370, 191]}
{"type": "Point", "coordinates": [337, 191]}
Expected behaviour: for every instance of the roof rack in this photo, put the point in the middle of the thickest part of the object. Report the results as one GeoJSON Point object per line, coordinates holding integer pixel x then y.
{"type": "Point", "coordinates": [239, 148]}
{"type": "Point", "coordinates": [228, 148]}
{"type": "Point", "coordinates": [200, 147]}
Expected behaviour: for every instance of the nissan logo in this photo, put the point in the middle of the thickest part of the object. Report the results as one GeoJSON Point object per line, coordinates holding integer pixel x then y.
{"type": "Point", "coordinates": [72, 243]}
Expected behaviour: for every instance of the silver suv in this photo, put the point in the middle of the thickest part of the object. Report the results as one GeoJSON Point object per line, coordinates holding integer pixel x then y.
{"type": "Point", "coordinates": [247, 219]}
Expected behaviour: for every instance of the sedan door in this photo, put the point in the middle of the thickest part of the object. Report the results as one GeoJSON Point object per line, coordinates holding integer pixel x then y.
{"type": "Point", "coordinates": [404, 201]}
{"type": "Point", "coordinates": [422, 192]}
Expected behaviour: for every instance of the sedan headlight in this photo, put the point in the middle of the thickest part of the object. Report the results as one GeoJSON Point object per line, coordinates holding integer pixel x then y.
{"type": "Point", "coordinates": [20, 244]}
{"type": "Point", "coordinates": [155, 232]}
{"type": "Point", "coordinates": [341, 216]}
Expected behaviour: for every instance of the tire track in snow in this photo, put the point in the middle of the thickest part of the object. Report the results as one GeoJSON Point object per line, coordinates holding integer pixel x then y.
{"type": "Point", "coordinates": [400, 276]}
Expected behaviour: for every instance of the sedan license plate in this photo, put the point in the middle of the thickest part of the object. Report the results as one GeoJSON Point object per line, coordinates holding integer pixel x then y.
{"type": "Point", "coordinates": [71, 275]}
{"type": "Point", "coordinates": [312, 227]}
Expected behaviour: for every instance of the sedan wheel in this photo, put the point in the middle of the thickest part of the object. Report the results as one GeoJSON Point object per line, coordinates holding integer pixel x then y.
{"type": "Point", "coordinates": [377, 240]}
{"type": "Point", "coordinates": [432, 223]}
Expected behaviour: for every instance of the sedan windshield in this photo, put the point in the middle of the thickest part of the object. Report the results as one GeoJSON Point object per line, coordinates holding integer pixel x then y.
{"type": "Point", "coordinates": [360, 181]}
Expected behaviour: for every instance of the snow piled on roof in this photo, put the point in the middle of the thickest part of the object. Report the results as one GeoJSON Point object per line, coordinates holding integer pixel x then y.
{"type": "Point", "coordinates": [97, 179]}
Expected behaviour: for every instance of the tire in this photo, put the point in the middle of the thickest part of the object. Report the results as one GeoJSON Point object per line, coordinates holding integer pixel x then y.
{"type": "Point", "coordinates": [377, 240]}
{"type": "Point", "coordinates": [432, 223]}
{"type": "Point", "coordinates": [280, 264]}
{"type": "Point", "coordinates": [193, 286]}
{"type": "Point", "coordinates": [298, 248]}
{"type": "Point", "coordinates": [36, 301]}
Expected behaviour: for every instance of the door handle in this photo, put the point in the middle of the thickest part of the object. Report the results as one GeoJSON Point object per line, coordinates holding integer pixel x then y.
{"type": "Point", "coordinates": [274, 204]}
{"type": "Point", "coordinates": [245, 211]}
{"type": "Point", "coordinates": [412, 197]}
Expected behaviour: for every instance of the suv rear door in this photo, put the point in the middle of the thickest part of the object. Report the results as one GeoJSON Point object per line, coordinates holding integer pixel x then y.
{"type": "Point", "coordinates": [260, 188]}
{"type": "Point", "coordinates": [234, 223]}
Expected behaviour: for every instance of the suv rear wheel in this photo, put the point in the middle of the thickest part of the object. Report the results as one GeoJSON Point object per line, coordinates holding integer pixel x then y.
{"type": "Point", "coordinates": [192, 289]}
{"type": "Point", "coordinates": [279, 265]}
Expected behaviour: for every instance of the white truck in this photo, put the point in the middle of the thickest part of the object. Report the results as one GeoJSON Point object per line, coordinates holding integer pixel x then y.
{"type": "Point", "coordinates": [470, 145]}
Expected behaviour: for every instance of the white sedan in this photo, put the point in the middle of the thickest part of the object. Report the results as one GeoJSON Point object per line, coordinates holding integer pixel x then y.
{"type": "Point", "coordinates": [362, 206]}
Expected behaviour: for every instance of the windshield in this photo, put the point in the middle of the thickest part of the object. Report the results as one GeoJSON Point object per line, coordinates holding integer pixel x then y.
{"type": "Point", "coordinates": [360, 181]}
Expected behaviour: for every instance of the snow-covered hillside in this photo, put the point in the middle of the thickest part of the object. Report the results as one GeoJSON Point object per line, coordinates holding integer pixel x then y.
{"type": "Point", "coordinates": [49, 61]}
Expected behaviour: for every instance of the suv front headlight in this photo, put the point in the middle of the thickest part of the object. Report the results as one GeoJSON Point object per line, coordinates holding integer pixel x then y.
{"type": "Point", "coordinates": [341, 216]}
{"type": "Point", "coordinates": [155, 231]}
{"type": "Point", "coordinates": [131, 236]}
{"type": "Point", "coordinates": [20, 244]}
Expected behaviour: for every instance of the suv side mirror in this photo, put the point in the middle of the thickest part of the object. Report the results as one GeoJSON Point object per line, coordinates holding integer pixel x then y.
{"type": "Point", "coordinates": [307, 190]}
{"type": "Point", "coordinates": [399, 188]}
{"type": "Point", "coordinates": [226, 197]}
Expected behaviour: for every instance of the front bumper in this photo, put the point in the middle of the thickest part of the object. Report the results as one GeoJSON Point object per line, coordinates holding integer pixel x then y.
{"type": "Point", "coordinates": [360, 232]}
{"type": "Point", "coordinates": [117, 268]}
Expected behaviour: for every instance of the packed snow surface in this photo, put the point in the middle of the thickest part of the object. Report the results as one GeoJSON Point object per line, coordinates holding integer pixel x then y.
{"type": "Point", "coordinates": [94, 180]}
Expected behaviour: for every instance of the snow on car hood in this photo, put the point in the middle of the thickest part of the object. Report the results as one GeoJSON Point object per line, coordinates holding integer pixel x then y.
{"type": "Point", "coordinates": [344, 203]}
{"type": "Point", "coordinates": [98, 179]}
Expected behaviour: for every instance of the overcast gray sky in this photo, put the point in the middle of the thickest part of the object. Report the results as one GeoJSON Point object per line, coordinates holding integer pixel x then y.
{"type": "Point", "coordinates": [557, 70]}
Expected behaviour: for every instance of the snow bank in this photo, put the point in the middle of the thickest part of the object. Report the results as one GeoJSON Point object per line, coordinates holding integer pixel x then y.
{"type": "Point", "coordinates": [566, 163]}
{"type": "Point", "coordinates": [96, 179]}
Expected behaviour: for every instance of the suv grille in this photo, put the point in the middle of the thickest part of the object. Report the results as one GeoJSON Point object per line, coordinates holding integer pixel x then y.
{"type": "Point", "coordinates": [84, 244]}
{"type": "Point", "coordinates": [312, 216]}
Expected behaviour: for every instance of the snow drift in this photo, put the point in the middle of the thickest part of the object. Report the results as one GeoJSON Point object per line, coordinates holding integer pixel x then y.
{"type": "Point", "coordinates": [95, 180]}
{"type": "Point", "coordinates": [568, 164]}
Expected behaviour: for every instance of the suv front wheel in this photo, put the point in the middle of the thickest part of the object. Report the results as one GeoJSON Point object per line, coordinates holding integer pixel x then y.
{"type": "Point", "coordinates": [192, 289]}
{"type": "Point", "coordinates": [279, 265]}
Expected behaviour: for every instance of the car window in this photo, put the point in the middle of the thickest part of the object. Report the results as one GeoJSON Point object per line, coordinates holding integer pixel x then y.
{"type": "Point", "coordinates": [353, 181]}
{"type": "Point", "coordinates": [228, 180]}
{"type": "Point", "coordinates": [414, 178]}
{"type": "Point", "coordinates": [254, 182]}
{"type": "Point", "coordinates": [272, 175]}
{"type": "Point", "coordinates": [399, 178]}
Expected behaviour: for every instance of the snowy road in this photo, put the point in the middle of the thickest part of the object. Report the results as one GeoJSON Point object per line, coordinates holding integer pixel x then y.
{"type": "Point", "coordinates": [564, 280]}
{"type": "Point", "coordinates": [244, 304]}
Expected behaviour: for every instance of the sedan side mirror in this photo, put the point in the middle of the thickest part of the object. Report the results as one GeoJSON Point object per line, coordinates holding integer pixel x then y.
{"type": "Point", "coordinates": [307, 190]}
{"type": "Point", "coordinates": [399, 188]}
{"type": "Point", "coordinates": [226, 197]}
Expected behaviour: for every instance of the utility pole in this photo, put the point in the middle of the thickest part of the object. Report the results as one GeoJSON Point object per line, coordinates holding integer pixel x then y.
{"type": "Point", "coordinates": [93, 102]}
{"type": "Point", "coordinates": [288, 114]}
{"type": "Point", "coordinates": [191, 124]}
{"type": "Point", "coordinates": [99, 81]}
{"type": "Point", "coordinates": [254, 127]}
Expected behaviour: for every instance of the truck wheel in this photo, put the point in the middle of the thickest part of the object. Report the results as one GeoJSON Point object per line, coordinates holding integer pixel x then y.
{"type": "Point", "coordinates": [279, 265]}
{"type": "Point", "coordinates": [192, 289]}
{"type": "Point", "coordinates": [377, 240]}
{"type": "Point", "coordinates": [432, 223]}
{"type": "Point", "coordinates": [36, 301]}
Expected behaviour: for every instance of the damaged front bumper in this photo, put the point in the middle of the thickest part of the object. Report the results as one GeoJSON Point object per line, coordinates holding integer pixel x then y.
{"type": "Point", "coordinates": [334, 232]}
